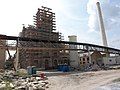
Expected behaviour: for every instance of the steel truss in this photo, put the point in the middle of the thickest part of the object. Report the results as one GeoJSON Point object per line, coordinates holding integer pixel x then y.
{"type": "Point", "coordinates": [81, 47]}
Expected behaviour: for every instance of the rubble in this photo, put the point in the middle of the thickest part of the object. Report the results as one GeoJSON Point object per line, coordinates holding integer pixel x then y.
{"type": "Point", "coordinates": [11, 81]}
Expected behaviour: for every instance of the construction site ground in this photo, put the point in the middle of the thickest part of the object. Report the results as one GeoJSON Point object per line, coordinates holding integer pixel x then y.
{"type": "Point", "coordinates": [92, 80]}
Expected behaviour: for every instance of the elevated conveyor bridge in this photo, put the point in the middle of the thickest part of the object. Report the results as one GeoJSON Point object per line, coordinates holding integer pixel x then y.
{"type": "Point", "coordinates": [81, 47]}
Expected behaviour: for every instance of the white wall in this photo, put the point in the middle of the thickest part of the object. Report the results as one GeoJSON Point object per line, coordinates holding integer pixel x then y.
{"type": "Point", "coordinates": [109, 60]}
{"type": "Point", "coordinates": [118, 60]}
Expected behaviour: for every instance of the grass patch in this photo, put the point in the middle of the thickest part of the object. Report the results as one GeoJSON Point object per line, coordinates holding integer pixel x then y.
{"type": "Point", "coordinates": [116, 80]}
{"type": "Point", "coordinates": [20, 74]}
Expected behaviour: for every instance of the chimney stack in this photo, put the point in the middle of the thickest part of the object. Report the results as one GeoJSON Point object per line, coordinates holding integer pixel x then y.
{"type": "Point", "coordinates": [101, 24]}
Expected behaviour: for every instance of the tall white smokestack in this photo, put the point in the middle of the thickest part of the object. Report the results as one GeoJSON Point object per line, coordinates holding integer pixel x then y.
{"type": "Point", "coordinates": [102, 28]}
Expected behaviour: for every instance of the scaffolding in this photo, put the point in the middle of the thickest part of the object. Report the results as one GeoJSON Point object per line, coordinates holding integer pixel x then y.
{"type": "Point", "coordinates": [45, 19]}
{"type": "Point", "coordinates": [44, 29]}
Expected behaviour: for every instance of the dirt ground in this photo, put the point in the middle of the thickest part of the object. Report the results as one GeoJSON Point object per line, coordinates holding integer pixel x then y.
{"type": "Point", "coordinates": [81, 80]}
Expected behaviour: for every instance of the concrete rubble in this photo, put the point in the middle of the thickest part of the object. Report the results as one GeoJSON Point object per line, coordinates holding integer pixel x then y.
{"type": "Point", "coordinates": [11, 81]}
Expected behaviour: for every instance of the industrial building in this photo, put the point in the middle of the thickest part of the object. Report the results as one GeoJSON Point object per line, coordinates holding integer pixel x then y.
{"type": "Point", "coordinates": [44, 29]}
{"type": "Point", "coordinates": [49, 55]}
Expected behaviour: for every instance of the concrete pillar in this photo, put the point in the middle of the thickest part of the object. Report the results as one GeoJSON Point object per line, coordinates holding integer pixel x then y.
{"type": "Point", "coordinates": [2, 53]}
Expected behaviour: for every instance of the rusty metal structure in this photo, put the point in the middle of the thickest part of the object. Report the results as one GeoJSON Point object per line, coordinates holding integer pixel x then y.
{"type": "Point", "coordinates": [45, 19]}
{"type": "Point", "coordinates": [44, 29]}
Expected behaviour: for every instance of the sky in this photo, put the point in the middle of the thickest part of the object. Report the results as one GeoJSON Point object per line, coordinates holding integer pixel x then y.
{"type": "Point", "coordinates": [73, 17]}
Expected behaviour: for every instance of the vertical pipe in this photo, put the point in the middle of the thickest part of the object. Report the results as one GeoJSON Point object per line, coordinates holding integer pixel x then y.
{"type": "Point", "coordinates": [17, 56]}
{"type": "Point", "coordinates": [102, 29]}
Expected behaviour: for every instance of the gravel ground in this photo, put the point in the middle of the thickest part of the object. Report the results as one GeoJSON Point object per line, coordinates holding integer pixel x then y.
{"type": "Point", "coordinates": [112, 86]}
{"type": "Point", "coordinates": [99, 80]}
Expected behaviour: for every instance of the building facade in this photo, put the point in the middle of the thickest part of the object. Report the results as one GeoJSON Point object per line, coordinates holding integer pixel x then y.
{"type": "Point", "coordinates": [94, 58]}
{"type": "Point", "coordinates": [113, 60]}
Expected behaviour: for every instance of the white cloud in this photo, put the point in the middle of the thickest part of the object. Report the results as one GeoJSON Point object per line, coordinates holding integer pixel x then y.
{"type": "Point", "coordinates": [14, 13]}
{"type": "Point", "coordinates": [91, 9]}
{"type": "Point", "coordinates": [93, 17]}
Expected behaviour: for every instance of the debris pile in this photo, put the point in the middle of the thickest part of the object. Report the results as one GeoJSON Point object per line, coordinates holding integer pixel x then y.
{"type": "Point", "coordinates": [11, 81]}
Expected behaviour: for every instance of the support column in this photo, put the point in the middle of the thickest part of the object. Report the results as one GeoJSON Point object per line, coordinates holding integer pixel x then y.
{"type": "Point", "coordinates": [17, 55]}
